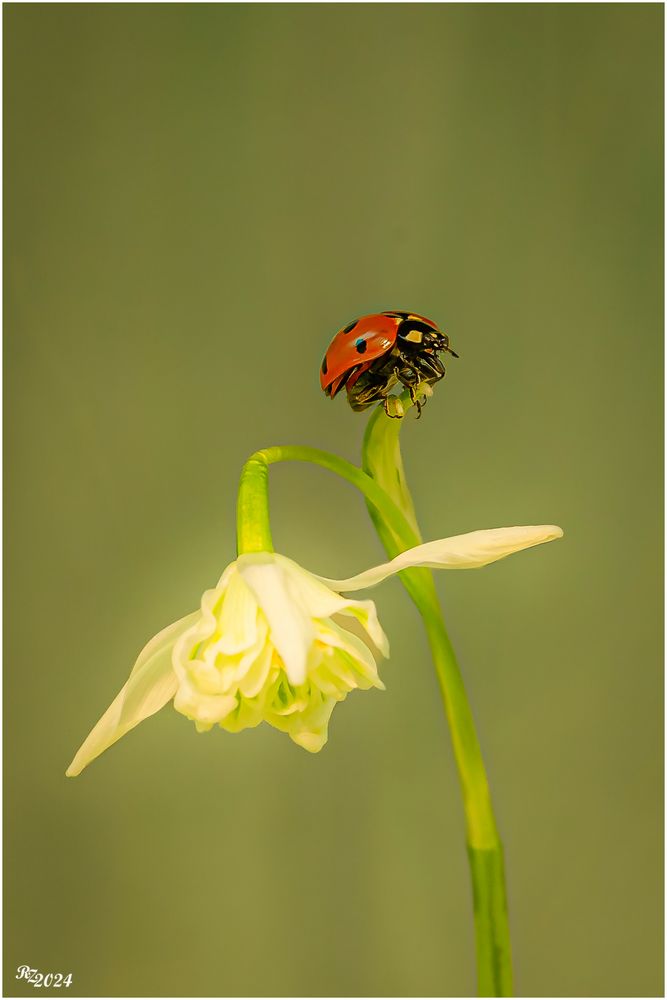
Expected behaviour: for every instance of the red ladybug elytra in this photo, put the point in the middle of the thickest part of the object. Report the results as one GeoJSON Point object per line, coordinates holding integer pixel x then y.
{"type": "Point", "coordinates": [373, 354]}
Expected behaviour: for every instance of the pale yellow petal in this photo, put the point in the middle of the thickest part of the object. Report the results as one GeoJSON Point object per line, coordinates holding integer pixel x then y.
{"type": "Point", "coordinates": [151, 684]}
{"type": "Point", "coordinates": [469, 551]}
{"type": "Point", "coordinates": [290, 627]}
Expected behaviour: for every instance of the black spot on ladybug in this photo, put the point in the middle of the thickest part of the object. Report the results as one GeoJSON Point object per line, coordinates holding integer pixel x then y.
{"type": "Point", "coordinates": [324, 367]}
{"type": "Point", "coordinates": [350, 328]}
{"type": "Point", "coordinates": [361, 345]}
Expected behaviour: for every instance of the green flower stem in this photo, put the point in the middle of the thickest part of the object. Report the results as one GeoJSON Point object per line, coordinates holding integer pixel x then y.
{"type": "Point", "coordinates": [253, 528]}
{"type": "Point", "coordinates": [390, 505]}
{"type": "Point", "coordinates": [252, 509]}
{"type": "Point", "coordinates": [382, 460]}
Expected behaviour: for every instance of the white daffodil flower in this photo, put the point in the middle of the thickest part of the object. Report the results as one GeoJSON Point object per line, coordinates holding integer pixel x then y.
{"type": "Point", "coordinates": [264, 646]}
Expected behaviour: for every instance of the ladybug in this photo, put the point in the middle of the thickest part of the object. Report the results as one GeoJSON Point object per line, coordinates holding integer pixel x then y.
{"type": "Point", "coordinates": [373, 354]}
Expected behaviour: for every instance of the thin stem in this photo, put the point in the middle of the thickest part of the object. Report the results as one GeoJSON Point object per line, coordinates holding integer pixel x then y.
{"type": "Point", "coordinates": [253, 528]}
{"type": "Point", "coordinates": [391, 508]}
{"type": "Point", "coordinates": [382, 460]}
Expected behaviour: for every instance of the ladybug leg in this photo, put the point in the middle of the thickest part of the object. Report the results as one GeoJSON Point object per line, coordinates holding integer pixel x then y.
{"type": "Point", "coordinates": [416, 403]}
{"type": "Point", "coordinates": [422, 368]}
{"type": "Point", "coordinates": [369, 389]}
{"type": "Point", "coordinates": [430, 367]}
{"type": "Point", "coordinates": [393, 407]}
{"type": "Point", "coordinates": [374, 386]}
{"type": "Point", "coordinates": [410, 376]}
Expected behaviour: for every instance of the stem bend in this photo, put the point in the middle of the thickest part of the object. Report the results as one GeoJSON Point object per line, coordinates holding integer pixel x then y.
{"type": "Point", "coordinates": [252, 509]}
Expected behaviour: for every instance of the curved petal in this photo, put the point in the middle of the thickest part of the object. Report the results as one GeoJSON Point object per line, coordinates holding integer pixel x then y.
{"type": "Point", "coordinates": [469, 551]}
{"type": "Point", "coordinates": [334, 639]}
{"type": "Point", "coordinates": [151, 684]}
{"type": "Point", "coordinates": [322, 602]}
{"type": "Point", "coordinates": [204, 709]}
{"type": "Point", "coordinates": [254, 679]}
{"type": "Point", "coordinates": [366, 614]}
{"type": "Point", "coordinates": [309, 727]}
{"type": "Point", "coordinates": [204, 625]}
{"type": "Point", "coordinates": [290, 626]}
{"type": "Point", "coordinates": [238, 619]}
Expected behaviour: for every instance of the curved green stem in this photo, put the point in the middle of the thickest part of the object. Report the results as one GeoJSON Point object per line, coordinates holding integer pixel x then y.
{"type": "Point", "coordinates": [252, 509]}
{"type": "Point", "coordinates": [385, 489]}
{"type": "Point", "coordinates": [382, 460]}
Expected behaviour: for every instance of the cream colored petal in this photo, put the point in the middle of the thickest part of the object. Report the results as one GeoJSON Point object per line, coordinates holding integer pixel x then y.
{"type": "Point", "coordinates": [206, 709]}
{"type": "Point", "coordinates": [151, 684]}
{"type": "Point", "coordinates": [247, 660]}
{"type": "Point", "coordinates": [321, 602]}
{"type": "Point", "coordinates": [238, 619]}
{"type": "Point", "coordinates": [311, 729]}
{"type": "Point", "coordinates": [327, 681]}
{"type": "Point", "coordinates": [255, 677]}
{"type": "Point", "coordinates": [203, 727]}
{"type": "Point", "coordinates": [203, 627]}
{"type": "Point", "coordinates": [366, 613]}
{"type": "Point", "coordinates": [290, 626]}
{"type": "Point", "coordinates": [205, 677]}
{"type": "Point", "coordinates": [284, 699]}
{"type": "Point", "coordinates": [339, 675]}
{"type": "Point", "coordinates": [335, 638]}
{"type": "Point", "coordinates": [309, 591]}
{"type": "Point", "coordinates": [228, 572]}
{"type": "Point", "coordinates": [246, 716]}
{"type": "Point", "coordinates": [218, 673]}
{"type": "Point", "coordinates": [469, 551]}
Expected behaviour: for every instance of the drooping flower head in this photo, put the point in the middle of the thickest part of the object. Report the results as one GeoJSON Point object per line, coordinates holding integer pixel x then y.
{"type": "Point", "coordinates": [268, 644]}
{"type": "Point", "coordinates": [266, 647]}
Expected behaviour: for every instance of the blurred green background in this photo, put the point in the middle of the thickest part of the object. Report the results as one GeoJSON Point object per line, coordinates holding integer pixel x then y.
{"type": "Point", "coordinates": [197, 198]}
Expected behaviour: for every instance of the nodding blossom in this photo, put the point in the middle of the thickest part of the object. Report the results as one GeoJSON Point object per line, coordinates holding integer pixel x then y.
{"type": "Point", "coordinates": [270, 644]}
